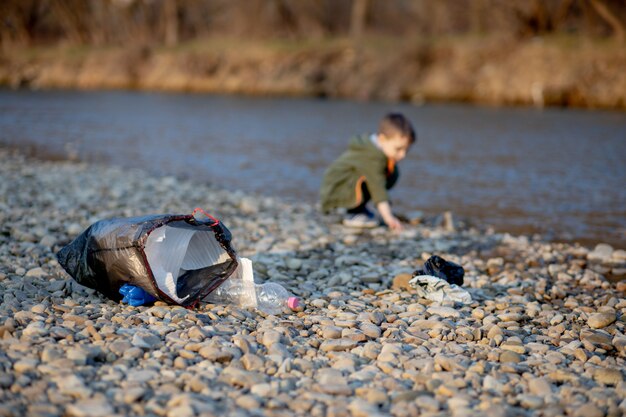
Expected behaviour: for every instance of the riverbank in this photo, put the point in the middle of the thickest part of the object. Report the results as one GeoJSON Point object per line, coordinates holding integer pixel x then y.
{"type": "Point", "coordinates": [545, 334]}
{"type": "Point", "coordinates": [547, 71]}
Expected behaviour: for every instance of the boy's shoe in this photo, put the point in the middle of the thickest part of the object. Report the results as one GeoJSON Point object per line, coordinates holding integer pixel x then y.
{"type": "Point", "coordinates": [365, 220]}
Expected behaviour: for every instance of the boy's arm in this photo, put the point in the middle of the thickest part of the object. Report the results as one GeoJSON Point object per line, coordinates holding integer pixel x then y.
{"type": "Point", "coordinates": [384, 209]}
{"type": "Point", "coordinates": [374, 173]}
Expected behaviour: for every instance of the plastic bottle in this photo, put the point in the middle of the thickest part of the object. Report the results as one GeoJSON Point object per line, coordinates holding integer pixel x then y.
{"type": "Point", "coordinates": [270, 297]}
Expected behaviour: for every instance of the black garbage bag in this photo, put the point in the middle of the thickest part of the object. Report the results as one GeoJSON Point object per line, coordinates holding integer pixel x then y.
{"type": "Point", "coordinates": [440, 268]}
{"type": "Point", "coordinates": [178, 259]}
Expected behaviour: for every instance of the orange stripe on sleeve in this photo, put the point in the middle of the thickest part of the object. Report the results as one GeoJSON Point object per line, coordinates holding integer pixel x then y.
{"type": "Point", "coordinates": [359, 190]}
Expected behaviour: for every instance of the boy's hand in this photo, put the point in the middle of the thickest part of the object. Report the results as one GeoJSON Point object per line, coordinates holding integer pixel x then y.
{"type": "Point", "coordinates": [394, 224]}
{"type": "Point", "coordinates": [390, 220]}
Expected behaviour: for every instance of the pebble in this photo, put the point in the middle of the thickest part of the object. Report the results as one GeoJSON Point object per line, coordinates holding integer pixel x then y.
{"type": "Point", "coordinates": [371, 277]}
{"type": "Point", "coordinates": [608, 376]}
{"type": "Point", "coordinates": [361, 408]}
{"type": "Point", "coordinates": [389, 353]}
{"type": "Point", "coordinates": [601, 320]}
{"type": "Point", "coordinates": [25, 365]}
{"type": "Point", "coordinates": [249, 402]}
{"type": "Point", "coordinates": [491, 383]}
{"type": "Point", "coordinates": [338, 345]}
{"type": "Point", "coordinates": [215, 354]}
{"type": "Point", "coordinates": [93, 407]}
{"type": "Point", "coordinates": [370, 330]}
{"type": "Point", "coordinates": [428, 403]}
{"type": "Point", "coordinates": [134, 394]}
{"type": "Point", "coordinates": [509, 356]}
{"type": "Point", "coordinates": [73, 385]}
{"type": "Point", "coordinates": [36, 273]}
{"type": "Point", "coordinates": [331, 332]}
{"type": "Point", "coordinates": [544, 334]}
{"type": "Point", "coordinates": [444, 312]}
{"type": "Point", "coordinates": [620, 344]}
{"type": "Point", "coordinates": [142, 376]}
{"type": "Point", "coordinates": [242, 378]}
{"type": "Point", "coordinates": [513, 346]}
{"type": "Point", "coordinates": [48, 240]}
{"type": "Point", "coordinates": [145, 340]}
{"type": "Point", "coordinates": [74, 229]}
{"type": "Point", "coordinates": [401, 282]}
{"type": "Point", "coordinates": [261, 390]}
{"type": "Point", "coordinates": [294, 263]}
{"type": "Point", "coordinates": [601, 253]}
{"type": "Point", "coordinates": [597, 339]}
{"type": "Point", "coordinates": [539, 386]}
{"type": "Point", "coordinates": [510, 317]}
{"type": "Point", "coordinates": [532, 402]}
{"type": "Point", "coordinates": [252, 362]}
{"type": "Point", "coordinates": [319, 303]}
{"type": "Point", "coordinates": [270, 337]}
{"type": "Point", "coordinates": [408, 396]}
{"type": "Point", "coordinates": [588, 410]}
{"type": "Point", "coordinates": [36, 329]}
{"type": "Point", "coordinates": [493, 332]}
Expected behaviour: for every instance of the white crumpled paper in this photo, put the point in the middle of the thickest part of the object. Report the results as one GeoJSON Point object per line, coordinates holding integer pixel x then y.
{"type": "Point", "coordinates": [437, 289]}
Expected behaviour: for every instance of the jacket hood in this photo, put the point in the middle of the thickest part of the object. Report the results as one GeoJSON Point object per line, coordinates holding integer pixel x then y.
{"type": "Point", "coordinates": [363, 143]}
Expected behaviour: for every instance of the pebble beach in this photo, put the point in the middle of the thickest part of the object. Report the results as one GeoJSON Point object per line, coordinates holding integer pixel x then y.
{"type": "Point", "coordinates": [545, 334]}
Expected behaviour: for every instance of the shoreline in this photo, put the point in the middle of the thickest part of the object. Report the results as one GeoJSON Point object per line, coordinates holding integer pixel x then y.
{"type": "Point", "coordinates": [482, 71]}
{"type": "Point", "coordinates": [544, 335]}
{"type": "Point", "coordinates": [431, 218]}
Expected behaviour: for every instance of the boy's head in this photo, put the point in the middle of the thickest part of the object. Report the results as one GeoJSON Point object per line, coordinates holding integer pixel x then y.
{"type": "Point", "coordinates": [395, 136]}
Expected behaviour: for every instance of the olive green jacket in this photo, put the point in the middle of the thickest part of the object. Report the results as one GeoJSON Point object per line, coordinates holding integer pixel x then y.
{"type": "Point", "coordinates": [363, 162]}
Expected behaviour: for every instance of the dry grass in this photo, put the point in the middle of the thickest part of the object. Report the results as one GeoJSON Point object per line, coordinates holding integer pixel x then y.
{"type": "Point", "coordinates": [557, 70]}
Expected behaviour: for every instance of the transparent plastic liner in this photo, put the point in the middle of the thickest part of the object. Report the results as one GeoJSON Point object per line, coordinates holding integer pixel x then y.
{"type": "Point", "coordinates": [171, 251]}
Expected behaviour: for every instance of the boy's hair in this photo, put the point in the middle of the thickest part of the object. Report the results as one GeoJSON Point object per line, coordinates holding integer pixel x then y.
{"type": "Point", "coordinates": [396, 124]}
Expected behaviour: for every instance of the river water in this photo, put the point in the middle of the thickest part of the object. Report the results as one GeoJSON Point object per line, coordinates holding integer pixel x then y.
{"type": "Point", "coordinates": [561, 173]}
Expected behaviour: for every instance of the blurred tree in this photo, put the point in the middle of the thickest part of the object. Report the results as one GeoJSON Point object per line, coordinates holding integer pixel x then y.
{"type": "Point", "coordinates": [74, 17]}
{"type": "Point", "coordinates": [609, 17]}
{"type": "Point", "coordinates": [169, 22]}
{"type": "Point", "coordinates": [170, 15]}
{"type": "Point", "coordinates": [19, 20]}
{"type": "Point", "coordinates": [562, 11]}
{"type": "Point", "coordinates": [357, 19]}
{"type": "Point", "coordinates": [477, 13]}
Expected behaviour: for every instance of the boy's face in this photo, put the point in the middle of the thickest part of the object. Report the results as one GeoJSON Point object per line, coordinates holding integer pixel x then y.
{"type": "Point", "coordinates": [394, 147]}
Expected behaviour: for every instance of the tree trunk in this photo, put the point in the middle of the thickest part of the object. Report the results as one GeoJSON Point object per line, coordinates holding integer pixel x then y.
{"type": "Point", "coordinates": [99, 16]}
{"type": "Point", "coordinates": [609, 17]}
{"type": "Point", "coordinates": [73, 15]}
{"type": "Point", "coordinates": [477, 22]}
{"type": "Point", "coordinates": [561, 13]}
{"type": "Point", "coordinates": [357, 19]}
{"type": "Point", "coordinates": [170, 12]}
{"type": "Point", "coordinates": [541, 16]}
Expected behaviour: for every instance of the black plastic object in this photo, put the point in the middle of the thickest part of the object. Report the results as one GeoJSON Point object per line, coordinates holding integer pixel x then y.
{"type": "Point", "coordinates": [111, 253]}
{"type": "Point", "coordinates": [440, 268]}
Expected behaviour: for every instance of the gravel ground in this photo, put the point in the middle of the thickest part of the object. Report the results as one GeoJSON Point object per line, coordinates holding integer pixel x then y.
{"type": "Point", "coordinates": [544, 336]}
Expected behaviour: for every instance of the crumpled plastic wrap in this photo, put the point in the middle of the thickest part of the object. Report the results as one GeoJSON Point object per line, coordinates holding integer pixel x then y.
{"type": "Point", "coordinates": [437, 289]}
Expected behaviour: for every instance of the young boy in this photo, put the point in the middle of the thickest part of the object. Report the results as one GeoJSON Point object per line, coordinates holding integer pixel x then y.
{"type": "Point", "coordinates": [366, 171]}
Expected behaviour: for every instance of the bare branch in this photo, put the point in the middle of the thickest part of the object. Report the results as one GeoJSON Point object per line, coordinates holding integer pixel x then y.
{"type": "Point", "coordinates": [609, 17]}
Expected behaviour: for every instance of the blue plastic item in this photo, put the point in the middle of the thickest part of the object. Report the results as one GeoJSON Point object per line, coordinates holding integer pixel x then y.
{"type": "Point", "coordinates": [135, 296]}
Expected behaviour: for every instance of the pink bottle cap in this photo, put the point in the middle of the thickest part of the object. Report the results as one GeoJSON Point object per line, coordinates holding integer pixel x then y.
{"type": "Point", "coordinates": [293, 302]}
